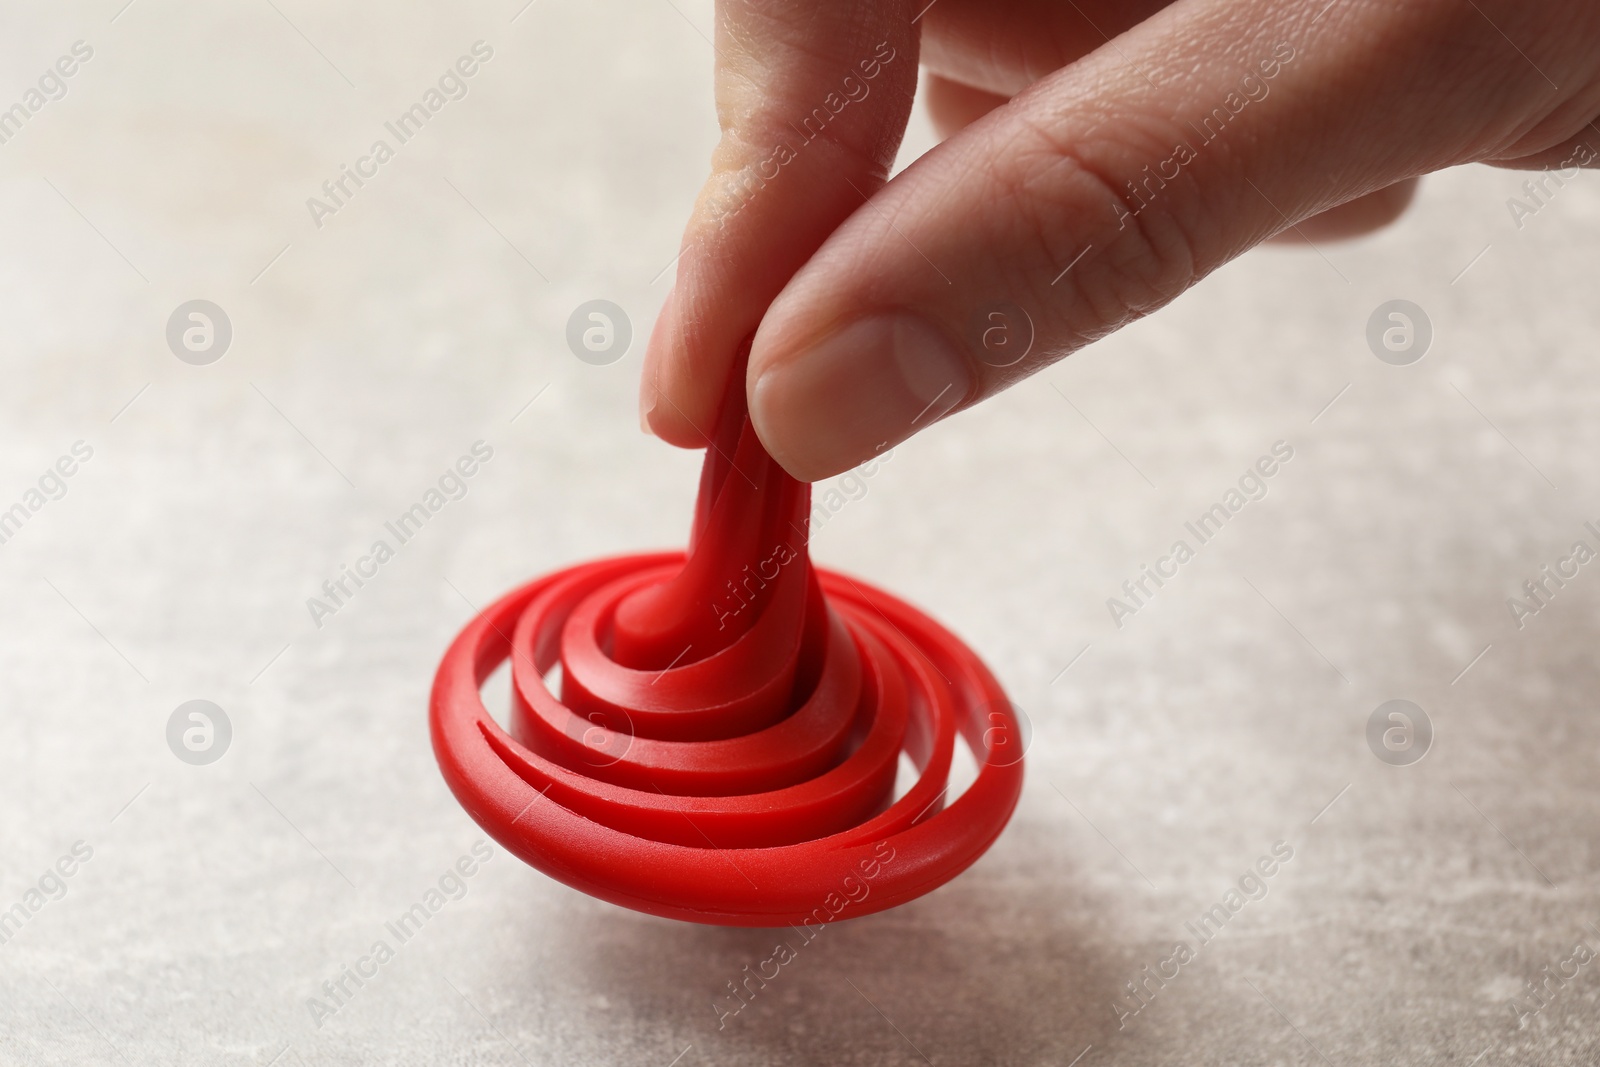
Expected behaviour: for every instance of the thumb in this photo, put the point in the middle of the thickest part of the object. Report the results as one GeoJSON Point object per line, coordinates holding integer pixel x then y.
{"type": "Point", "coordinates": [813, 99]}
{"type": "Point", "coordinates": [1112, 185]}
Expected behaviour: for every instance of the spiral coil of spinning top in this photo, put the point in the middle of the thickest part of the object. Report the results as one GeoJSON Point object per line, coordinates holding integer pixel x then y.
{"type": "Point", "coordinates": [729, 722]}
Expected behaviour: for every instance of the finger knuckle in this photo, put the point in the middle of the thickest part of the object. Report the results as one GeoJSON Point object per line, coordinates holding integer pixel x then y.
{"type": "Point", "coordinates": [1103, 184]}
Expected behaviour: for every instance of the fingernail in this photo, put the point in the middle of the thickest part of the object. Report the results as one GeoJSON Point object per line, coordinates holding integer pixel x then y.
{"type": "Point", "coordinates": [864, 387]}
{"type": "Point", "coordinates": [647, 404]}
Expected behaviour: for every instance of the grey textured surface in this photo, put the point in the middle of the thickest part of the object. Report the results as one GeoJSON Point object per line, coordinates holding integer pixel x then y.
{"type": "Point", "coordinates": [1230, 713]}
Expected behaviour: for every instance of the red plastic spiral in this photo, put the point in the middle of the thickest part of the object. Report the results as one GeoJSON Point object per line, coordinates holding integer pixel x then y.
{"type": "Point", "coordinates": [729, 722]}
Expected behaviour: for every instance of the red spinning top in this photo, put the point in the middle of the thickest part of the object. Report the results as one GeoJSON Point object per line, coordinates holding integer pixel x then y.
{"type": "Point", "coordinates": [729, 722]}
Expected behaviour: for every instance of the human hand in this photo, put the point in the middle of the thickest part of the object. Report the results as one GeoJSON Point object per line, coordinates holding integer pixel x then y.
{"type": "Point", "coordinates": [1084, 181]}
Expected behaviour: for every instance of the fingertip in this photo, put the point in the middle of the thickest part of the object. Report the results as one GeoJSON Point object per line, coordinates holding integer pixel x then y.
{"type": "Point", "coordinates": [1354, 218]}
{"type": "Point", "coordinates": [953, 106]}
{"type": "Point", "coordinates": [662, 416]}
{"type": "Point", "coordinates": [772, 416]}
{"type": "Point", "coordinates": [661, 412]}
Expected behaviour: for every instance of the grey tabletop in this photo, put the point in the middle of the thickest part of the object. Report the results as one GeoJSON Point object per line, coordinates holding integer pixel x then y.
{"type": "Point", "coordinates": [1204, 767]}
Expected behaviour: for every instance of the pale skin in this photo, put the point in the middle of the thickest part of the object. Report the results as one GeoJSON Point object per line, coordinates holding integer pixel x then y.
{"type": "Point", "coordinates": [861, 292]}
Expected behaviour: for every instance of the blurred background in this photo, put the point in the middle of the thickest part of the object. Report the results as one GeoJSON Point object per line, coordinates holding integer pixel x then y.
{"type": "Point", "coordinates": [175, 489]}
